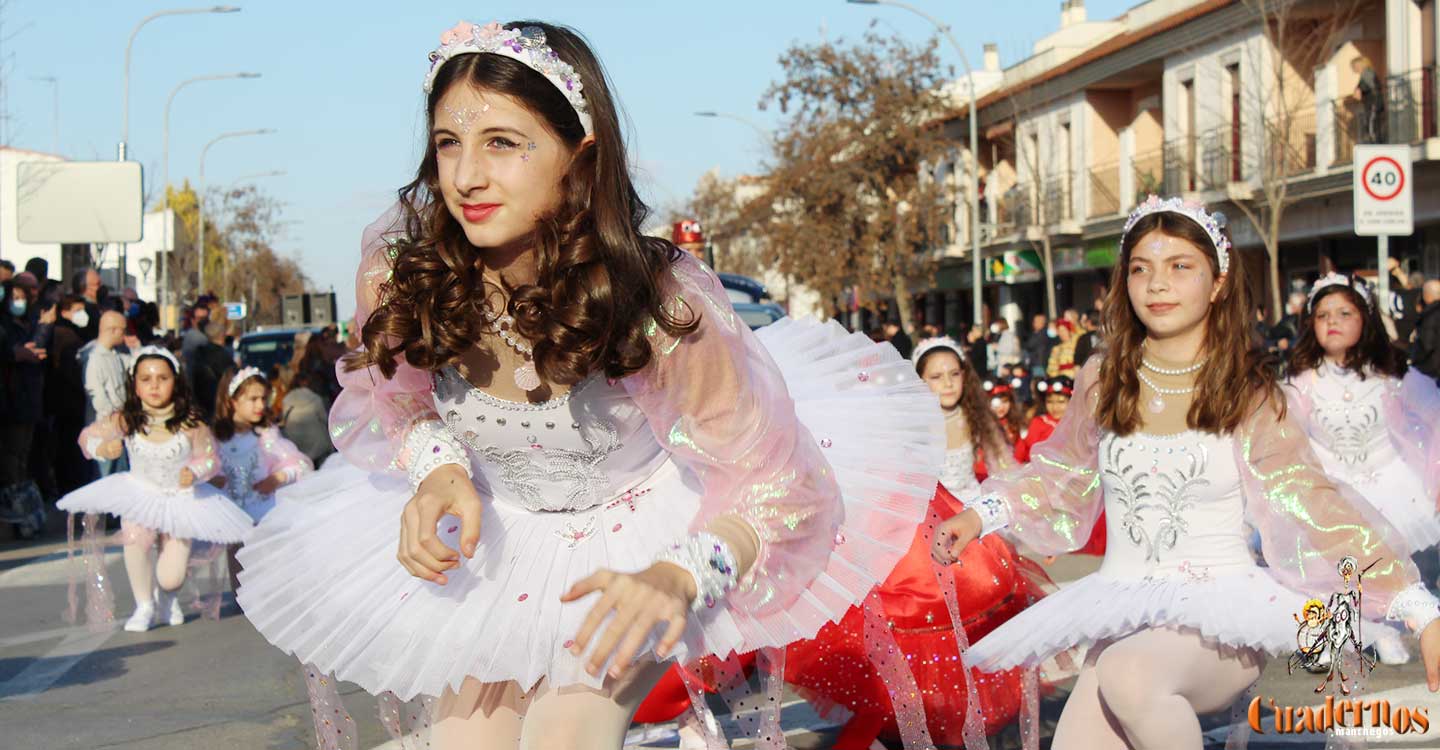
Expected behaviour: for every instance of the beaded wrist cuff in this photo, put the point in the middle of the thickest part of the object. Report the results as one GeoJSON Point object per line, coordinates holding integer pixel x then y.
{"type": "Point", "coordinates": [430, 446]}
{"type": "Point", "coordinates": [709, 560]}
{"type": "Point", "coordinates": [1415, 607]}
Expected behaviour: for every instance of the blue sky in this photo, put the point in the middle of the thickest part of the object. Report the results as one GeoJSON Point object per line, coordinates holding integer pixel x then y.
{"type": "Point", "coordinates": [341, 85]}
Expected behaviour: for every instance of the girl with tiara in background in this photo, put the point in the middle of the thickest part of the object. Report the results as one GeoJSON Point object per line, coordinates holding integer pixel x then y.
{"type": "Point", "coordinates": [590, 464]}
{"type": "Point", "coordinates": [1371, 422]}
{"type": "Point", "coordinates": [1182, 428]}
{"type": "Point", "coordinates": [848, 666]}
{"type": "Point", "coordinates": [255, 459]}
{"type": "Point", "coordinates": [163, 497]}
{"type": "Point", "coordinates": [1007, 409]}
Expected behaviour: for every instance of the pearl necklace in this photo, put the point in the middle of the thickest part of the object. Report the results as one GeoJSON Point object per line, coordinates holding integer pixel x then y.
{"type": "Point", "coordinates": [1156, 404]}
{"type": "Point", "coordinates": [526, 378]}
{"type": "Point", "coordinates": [1163, 371]}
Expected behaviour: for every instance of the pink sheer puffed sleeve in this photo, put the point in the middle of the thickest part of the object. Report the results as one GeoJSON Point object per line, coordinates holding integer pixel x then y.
{"type": "Point", "coordinates": [1051, 504]}
{"type": "Point", "coordinates": [1412, 415]}
{"type": "Point", "coordinates": [204, 461]}
{"type": "Point", "coordinates": [99, 433]}
{"type": "Point", "coordinates": [387, 424]}
{"type": "Point", "coordinates": [716, 401]}
{"type": "Point", "coordinates": [280, 456]}
{"type": "Point", "coordinates": [1308, 522]}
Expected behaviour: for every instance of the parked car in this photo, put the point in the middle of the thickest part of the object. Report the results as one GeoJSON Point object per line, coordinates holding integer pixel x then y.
{"type": "Point", "coordinates": [744, 289]}
{"type": "Point", "coordinates": [264, 349]}
{"type": "Point", "coordinates": [759, 316]}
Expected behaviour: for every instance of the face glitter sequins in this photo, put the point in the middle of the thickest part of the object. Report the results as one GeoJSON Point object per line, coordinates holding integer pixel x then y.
{"type": "Point", "coordinates": [529, 147]}
{"type": "Point", "coordinates": [464, 118]}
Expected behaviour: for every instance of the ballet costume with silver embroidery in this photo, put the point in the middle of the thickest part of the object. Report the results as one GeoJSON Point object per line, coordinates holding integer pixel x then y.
{"type": "Point", "coordinates": [251, 456]}
{"type": "Point", "coordinates": [1378, 435]}
{"type": "Point", "coordinates": [150, 495]}
{"type": "Point", "coordinates": [611, 474]}
{"type": "Point", "coordinates": [1177, 556]}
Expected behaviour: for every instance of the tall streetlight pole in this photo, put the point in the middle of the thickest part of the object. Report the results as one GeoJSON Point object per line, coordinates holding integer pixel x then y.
{"type": "Point", "coordinates": [200, 251]}
{"type": "Point", "coordinates": [944, 28]}
{"type": "Point", "coordinates": [55, 110]}
{"type": "Point", "coordinates": [168, 287]}
{"type": "Point", "coordinates": [125, 96]}
{"type": "Point", "coordinates": [765, 134]}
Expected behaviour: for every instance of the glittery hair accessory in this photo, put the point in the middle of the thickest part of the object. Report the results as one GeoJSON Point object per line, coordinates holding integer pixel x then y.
{"type": "Point", "coordinates": [245, 374]}
{"type": "Point", "coordinates": [1212, 223]}
{"type": "Point", "coordinates": [526, 45]}
{"type": "Point", "coordinates": [1338, 279]}
{"type": "Point", "coordinates": [939, 342]}
{"type": "Point", "coordinates": [154, 351]}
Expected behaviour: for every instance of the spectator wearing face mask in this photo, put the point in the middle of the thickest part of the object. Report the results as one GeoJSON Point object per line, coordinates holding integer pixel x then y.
{"type": "Point", "coordinates": [22, 377]}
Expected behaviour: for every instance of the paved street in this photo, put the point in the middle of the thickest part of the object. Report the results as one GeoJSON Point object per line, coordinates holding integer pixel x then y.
{"type": "Point", "coordinates": [219, 685]}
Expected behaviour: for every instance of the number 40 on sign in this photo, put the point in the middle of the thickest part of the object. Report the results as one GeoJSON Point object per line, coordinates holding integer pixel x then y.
{"type": "Point", "coordinates": [1384, 200]}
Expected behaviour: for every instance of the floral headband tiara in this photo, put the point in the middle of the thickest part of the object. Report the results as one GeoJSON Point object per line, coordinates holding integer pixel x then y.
{"type": "Point", "coordinates": [939, 342]}
{"type": "Point", "coordinates": [1338, 279]}
{"type": "Point", "coordinates": [525, 45]}
{"type": "Point", "coordinates": [154, 351]}
{"type": "Point", "coordinates": [1212, 223]}
{"type": "Point", "coordinates": [245, 374]}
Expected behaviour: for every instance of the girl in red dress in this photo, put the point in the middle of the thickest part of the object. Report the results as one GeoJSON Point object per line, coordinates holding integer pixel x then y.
{"type": "Point", "coordinates": [845, 665]}
{"type": "Point", "coordinates": [1057, 392]}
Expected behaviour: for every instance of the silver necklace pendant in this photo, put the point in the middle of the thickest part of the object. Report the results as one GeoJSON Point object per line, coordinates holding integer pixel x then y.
{"type": "Point", "coordinates": [526, 378]}
{"type": "Point", "coordinates": [1156, 404]}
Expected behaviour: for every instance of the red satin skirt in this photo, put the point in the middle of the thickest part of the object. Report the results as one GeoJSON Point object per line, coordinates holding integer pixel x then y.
{"type": "Point", "coordinates": [992, 584]}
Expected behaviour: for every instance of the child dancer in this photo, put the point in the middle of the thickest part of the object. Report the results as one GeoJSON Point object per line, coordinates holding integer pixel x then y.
{"type": "Point", "coordinates": [844, 665]}
{"type": "Point", "coordinates": [1007, 410]}
{"type": "Point", "coordinates": [1370, 422]}
{"type": "Point", "coordinates": [163, 496]}
{"type": "Point", "coordinates": [1182, 428]}
{"type": "Point", "coordinates": [256, 460]}
{"type": "Point", "coordinates": [606, 469]}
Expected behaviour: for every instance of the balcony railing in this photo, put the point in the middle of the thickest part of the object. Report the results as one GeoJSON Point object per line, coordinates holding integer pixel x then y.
{"type": "Point", "coordinates": [1059, 192]}
{"type": "Point", "coordinates": [1015, 209]}
{"type": "Point", "coordinates": [1104, 189]}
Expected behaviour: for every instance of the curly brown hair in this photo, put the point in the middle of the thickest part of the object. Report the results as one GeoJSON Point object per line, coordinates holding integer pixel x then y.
{"type": "Point", "coordinates": [224, 426]}
{"type": "Point", "coordinates": [985, 435]}
{"type": "Point", "coordinates": [1234, 357]}
{"type": "Point", "coordinates": [1373, 350]}
{"type": "Point", "coordinates": [599, 281]}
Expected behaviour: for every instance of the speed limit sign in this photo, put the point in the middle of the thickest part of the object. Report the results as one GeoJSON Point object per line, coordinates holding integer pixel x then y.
{"type": "Point", "coordinates": [1384, 202]}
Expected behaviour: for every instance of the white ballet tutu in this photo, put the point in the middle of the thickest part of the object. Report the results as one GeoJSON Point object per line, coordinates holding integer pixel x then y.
{"type": "Point", "coordinates": [1399, 494]}
{"type": "Point", "coordinates": [1242, 608]}
{"type": "Point", "coordinates": [201, 512]}
{"type": "Point", "coordinates": [258, 509]}
{"type": "Point", "coordinates": [321, 581]}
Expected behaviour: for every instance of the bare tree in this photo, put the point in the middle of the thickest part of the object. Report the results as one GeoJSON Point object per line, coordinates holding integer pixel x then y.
{"type": "Point", "coordinates": [847, 202]}
{"type": "Point", "coordinates": [1299, 37]}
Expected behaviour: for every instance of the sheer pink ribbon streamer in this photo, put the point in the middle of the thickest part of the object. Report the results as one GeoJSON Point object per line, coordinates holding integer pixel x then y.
{"type": "Point", "coordinates": [334, 727]}
{"type": "Point", "coordinates": [409, 722]}
{"type": "Point", "coordinates": [90, 565]}
{"type": "Point", "coordinates": [889, 663]}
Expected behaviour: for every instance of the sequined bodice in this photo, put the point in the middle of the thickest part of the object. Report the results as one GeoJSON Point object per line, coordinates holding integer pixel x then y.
{"type": "Point", "coordinates": [958, 473]}
{"type": "Point", "coordinates": [159, 462]}
{"type": "Point", "coordinates": [1173, 505]}
{"type": "Point", "coordinates": [1347, 418]}
{"type": "Point", "coordinates": [240, 459]}
{"type": "Point", "coordinates": [570, 453]}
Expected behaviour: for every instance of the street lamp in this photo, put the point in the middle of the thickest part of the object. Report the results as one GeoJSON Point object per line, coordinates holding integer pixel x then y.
{"type": "Point", "coordinates": [55, 114]}
{"type": "Point", "coordinates": [200, 251]}
{"type": "Point", "coordinates": [165, 168]}
{"type": "Point", "coordinates": [974, 147]}
{"type": "Point", "coordinates": [125, 96]}
{"type": "Point", "coordinates": [762, 131]}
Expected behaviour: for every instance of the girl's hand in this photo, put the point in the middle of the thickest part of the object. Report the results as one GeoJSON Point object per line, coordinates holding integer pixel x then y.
{"type": "Point", "coordinates": [218, 481]}
{"type": "Point", "coordinates": [187, 477]}
{"type": "Point", "coordinates": [660, 593]}
{"type": "Point", "coordinates": [110, 450]}
{"type": "Point", "coordinates": [953, 535]}
{"type": "Point", "coordinates": [1430, 654]}
{"type": "Point", "coordinates": [269, 484]}
{"type": "Point", "coordinates": [446, 490]}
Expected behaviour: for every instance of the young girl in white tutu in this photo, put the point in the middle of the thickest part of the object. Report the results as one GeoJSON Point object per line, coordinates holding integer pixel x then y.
{"type": "Point", "coordinates": [1370, 421]}
{"type": "Point", "coordinates": [1181, 432]}
{"type": "Point", "coordinates": [605, 466]}
{"type": "Point", "coordinates": [163, 497]}
{"type": "Point", "coordinates": [255, 459]}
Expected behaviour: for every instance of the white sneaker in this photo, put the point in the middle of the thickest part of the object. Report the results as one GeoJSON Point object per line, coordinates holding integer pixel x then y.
{"type": "Point", "coordinates": [1390, 648]}
{"type": "Point", "coordinates": [170, 608]}
{"type": "Point", "coordinates": [142, 619]}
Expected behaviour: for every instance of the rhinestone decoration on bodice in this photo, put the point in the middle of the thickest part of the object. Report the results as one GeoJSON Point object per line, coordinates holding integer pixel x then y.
{"type": "Point", "coordinates": [566, 454]}
{"type": "Point", "coordinates": [159, 462]}
{"type": "Point", "coordinates": [958, 473]}
{"type": "Point", "coordinates": [241, 459]}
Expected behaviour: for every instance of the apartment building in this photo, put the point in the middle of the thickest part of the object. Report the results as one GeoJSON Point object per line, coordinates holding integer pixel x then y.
{"type": "Point", "coordinates": [1199, 98]}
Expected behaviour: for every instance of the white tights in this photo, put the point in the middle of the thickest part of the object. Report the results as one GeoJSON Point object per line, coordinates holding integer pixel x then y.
{"type": "Point", "coordinates": [498, 716]}
{"type": "Point", "coordinates": [1144, 692]}
{"type": "Point", "coordinates": [144, 570]}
